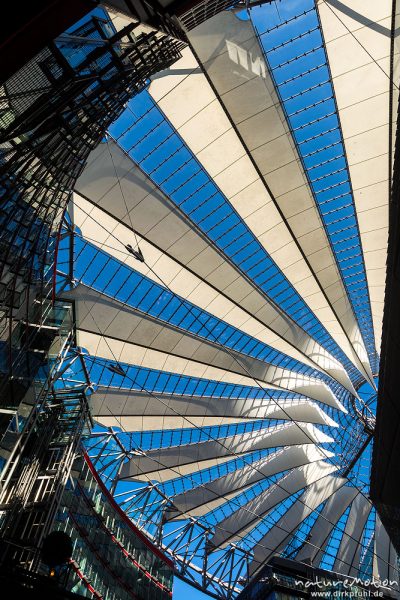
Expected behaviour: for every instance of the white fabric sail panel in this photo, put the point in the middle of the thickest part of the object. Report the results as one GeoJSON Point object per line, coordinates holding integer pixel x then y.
{"type": "Point", "coordinates": [278, 536]}
{"type": "Point", "coordinates": [348, 556]}
{"type": "Point", "coordinates": [357, 36]}
{"type": "Point", "coordinates": [110, 349]}
{"type": "Point", "coordinates": [264, 132]}
{"type": "Point", "coordinates": [157, 345]}
{"type": "Point", "coordinates": [228, 296]}
{"type": "Point", "coordinates": [245, 518]}
{"type": "Point", "coordinates": [231, 55]}
{"type": "Point", "coordinates": [96, 226]}
{"type": "Point", "coordinates": [211, 505]}
{"type": "Point", "coordinates": [193, 109]}
{"type": "Point", "coordinates": [188, 458]}
{"type": "Point", "coordinates": [200, 500]}
{"type": "Point", "coordinates": [141, 411]}
{"type": "Point", "coordinates": [175, 472]}
{"type": "Point", "coordinates": [312, 552]}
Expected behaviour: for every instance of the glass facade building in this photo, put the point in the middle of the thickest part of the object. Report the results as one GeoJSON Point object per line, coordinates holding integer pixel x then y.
{"type": "Point", "coordinates": [112, 559]}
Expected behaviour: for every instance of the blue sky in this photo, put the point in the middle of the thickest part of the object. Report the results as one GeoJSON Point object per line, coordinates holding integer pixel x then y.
{"type": "Point", "coordinates": [184, 591]}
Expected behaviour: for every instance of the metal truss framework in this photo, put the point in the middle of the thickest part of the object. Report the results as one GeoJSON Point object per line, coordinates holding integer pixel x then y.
{"type": "Point", "coordinates": [225, 366]}
{"type": "Point", "coordinates": [51, 121]}
{"type": "Point", "coordinates": [54, 111]}
{"type": "Point", "coordinates": [221, 572]}
{"type": "Point", "coordinates": [231, 192]}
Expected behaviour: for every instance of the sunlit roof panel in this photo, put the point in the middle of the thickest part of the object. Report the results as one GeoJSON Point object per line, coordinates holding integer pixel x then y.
{"type": "Point", "coordinates": [220, 246]}
{"type": "Point", "coordinates": [265, 135]}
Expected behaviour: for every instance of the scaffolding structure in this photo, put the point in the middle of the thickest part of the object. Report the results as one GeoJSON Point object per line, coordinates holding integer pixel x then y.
{"type": "Point", "coordinates": [53, 112]}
